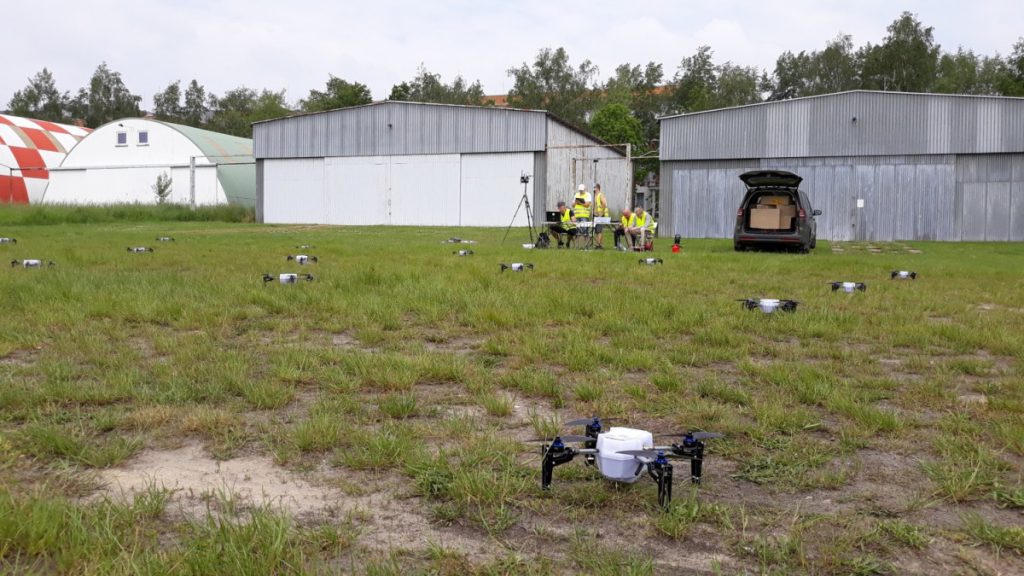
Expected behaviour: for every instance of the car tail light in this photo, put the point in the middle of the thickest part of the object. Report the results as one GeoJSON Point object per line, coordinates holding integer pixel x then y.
{"type": "Point", "coordinates": [801, 214]}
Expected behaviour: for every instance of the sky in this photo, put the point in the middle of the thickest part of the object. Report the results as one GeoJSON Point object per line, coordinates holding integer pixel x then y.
{"type": "Point", "coordinates": [296, 44]}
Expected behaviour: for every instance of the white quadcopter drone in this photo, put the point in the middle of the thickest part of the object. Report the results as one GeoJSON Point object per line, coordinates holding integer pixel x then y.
{"type": "Point", "coordinates": [139, 249]}
{"type": "Point", "coordinates": [463, 253]}
{"type": "Point", "coordinates": [517, 267]}
{"type": "Point", "coordinates": [164, 239]}
{"type": "Point", "coordinates": [769, 305]}
{"type": "Point", "coordinates": [903, 275]}
{"type": "Point", "coordinates": [454, 240]}
{"type": "Point", "coordinates": [849, 287]}
{"type": "Point", "coordinates": [288, 278]}
{"type": "Point", "coordinates": [651, 261]}
{"type": "Point", "coordinates": [32, 263]}
{"type": "Point", "coordinates": [622, 455]}
{"type": "Point", "coordinates": [302, 259]}
{"type": "Point", "coordinates": [6, 240]}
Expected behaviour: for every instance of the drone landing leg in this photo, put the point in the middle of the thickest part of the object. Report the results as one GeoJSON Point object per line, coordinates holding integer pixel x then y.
{"type": "Point", "coordinates": [696, 463]}
{"type": "Point", "coordinates": [553, 457]}
{"type": "Point", "coordinates": [665, 487]}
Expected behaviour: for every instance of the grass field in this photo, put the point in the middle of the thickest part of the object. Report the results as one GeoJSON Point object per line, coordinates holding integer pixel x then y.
{"type": "Point", "coordinates": [168, 413]}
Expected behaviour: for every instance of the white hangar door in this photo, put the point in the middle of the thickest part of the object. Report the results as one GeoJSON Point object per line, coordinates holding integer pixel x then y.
{"type": "Point", "coordinates": [292, 191]}
{"type": "Point", "coordinates": [491, 189]}
{"type": "Point", "coordinates": [355, 190]}
{"type": "Point", "coordinates": [425, 190]}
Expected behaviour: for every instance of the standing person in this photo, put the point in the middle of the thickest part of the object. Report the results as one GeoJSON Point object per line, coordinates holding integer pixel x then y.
{"type": "Point", "coordinates": [627, 221]}
{"type": "Point", "coordinates": [600, 211]}
{"type": "Point", "coordinates": [566, 224]}
{"type": "Point", "coordinates": [581, 203]}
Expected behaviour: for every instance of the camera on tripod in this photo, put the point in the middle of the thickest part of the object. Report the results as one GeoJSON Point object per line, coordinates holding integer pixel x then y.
{"type": "Point", "coordinates": [524, 179]}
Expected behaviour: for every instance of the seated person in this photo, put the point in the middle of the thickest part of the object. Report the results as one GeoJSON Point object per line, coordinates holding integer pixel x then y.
{"type": "Point", "coordinates": [642, 229]}
{"type": "Point", "coordinates": [566, 224]}
{"type": "Point", "coordinates": [627, 221]}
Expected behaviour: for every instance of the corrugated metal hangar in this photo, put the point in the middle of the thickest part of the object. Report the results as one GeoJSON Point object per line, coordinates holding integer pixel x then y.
{"type": "Point", "coordinates": [880, 165]}
{"type": "Point", "coordinates": [408, 163]}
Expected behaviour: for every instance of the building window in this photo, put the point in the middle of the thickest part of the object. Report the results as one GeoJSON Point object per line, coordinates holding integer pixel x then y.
{"type": "Point", "coordinates": [122, 138]}
{"type": "Point", "coordinates": [143, 138]}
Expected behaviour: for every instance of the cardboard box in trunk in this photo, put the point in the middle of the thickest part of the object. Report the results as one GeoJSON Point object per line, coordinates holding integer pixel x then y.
{"type": "Point", "coordinates": [765, 218]}
{"type": "Point", "coordinates": [774, 200]}
{"type": "Point", "coordinates": [786, 215]}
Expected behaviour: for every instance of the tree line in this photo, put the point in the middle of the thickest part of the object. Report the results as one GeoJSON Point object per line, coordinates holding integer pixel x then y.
{"type": "Point", "coordinates": [621, 108]}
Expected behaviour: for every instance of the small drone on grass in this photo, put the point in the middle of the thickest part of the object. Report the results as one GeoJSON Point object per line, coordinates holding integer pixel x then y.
{"type": "Point", "coordinates": [164, 239]}
{"type": "Point", "coordinates": [517, 266]}
{"type": "Point", "coordinates": [463, 253]}
{"type": "Point", "coordinates": [903, 275]}
{"type": "Point", "coordinates": [139, 249]}
{"type": "Point", "coordinates": [304, 247]}
{"type": "Point", "coordinates": [302, 259]}
{"type": "Point", "coordinates": [769, 305]}
{"type": "Point", "coordinates": [32, 263]}
{"type": "Point", "coordinates": [651, 261]}
{"type": "Point", "coordinates": [288, 278]}
{"type": "Point", "coordinates": [622, 454]}
{"type": "Point", "coordinates": [8, 240]}
{"type": "Point", "coordinates": [849, 287]}
{"type": "Point", "coordinates": [454, 240]}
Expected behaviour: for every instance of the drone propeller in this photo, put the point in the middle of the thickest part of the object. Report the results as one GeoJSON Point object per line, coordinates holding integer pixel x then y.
{"type": "Point", "coordinates": [651, 454]}
{"type": "Point", "coordinates": [570, 438]}
{"type": "Point", "coordinates": [587, 421]}
{"type": "Point", "coordinates": [694, 435]}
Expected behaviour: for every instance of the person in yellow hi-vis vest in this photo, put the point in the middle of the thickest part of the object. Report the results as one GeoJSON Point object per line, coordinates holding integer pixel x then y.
{"type": "Point", "coordinates": [642, 229]}
{"type": "Point", "coordinates": [566, 225]}
{"type": "Point", "coordinates": [600, 211]}
{"type": "Point", "coordinates": [627, 221]}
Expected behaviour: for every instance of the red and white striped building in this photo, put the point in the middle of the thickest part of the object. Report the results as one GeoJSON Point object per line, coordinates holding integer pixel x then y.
{"type": "Point", "coordinates": [28, 148]}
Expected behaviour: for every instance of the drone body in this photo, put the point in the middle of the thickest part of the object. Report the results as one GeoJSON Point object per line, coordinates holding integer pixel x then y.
{"type": "Point", "coordinates": [304, 247]}
{"type": "Point", "coordinates": [463, 253]}
{"type": "Point", "coordinates": [651, 261]}
{"type": "Point", "coordinates": [903, 275]}
{"type": "Point", "coordinates": [517, 266]}
{"type": "Point", "coordinates": [849, 287]}
{"type": "Point", "coordinates": [288, 278]}
{"type": "Point", "coordinates": [139, 249]}
{"type": "Point", "coordinates": [31, 263]}
{"type": "Point", "coordinates": [454, 240]}
{"type": "Point", "coordinates": [622, 454]}
{"type": "Point", "coordinates": [302, 259]}
{"type": "Point", "coordinates": [8, 240]}
{"type": "Point", "coordinates": [164, 239]}
{"type": "Point", "coordinates": [769, 305]}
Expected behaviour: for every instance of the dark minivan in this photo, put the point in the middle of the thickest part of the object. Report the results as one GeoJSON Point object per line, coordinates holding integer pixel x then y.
{"type": "Point", "coordinates": [775, 212]}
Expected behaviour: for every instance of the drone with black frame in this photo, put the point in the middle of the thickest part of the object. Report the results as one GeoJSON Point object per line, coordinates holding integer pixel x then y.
{"type": "Point", "coordinates": [517, 267]}
{"type": "Point", "coordinates": [302, 259]}
{"type": "Point", "coordinates": [139, 249]}
{"type": "Point", "coordinates": [622, 454]}
{"type": "Point", "coordinates": [288, 278]}
{"type": "Point", "coordinates": [651, 261]}
{"type": "Point", "coordinates": [6, 240]}
{"type": "Point", "coordinates": [849, 287]}
{"type": "Point", "coordinates": [32, 263]}
{"type": "Point", "coordinates": [903, 275]}
{"type": "Point", "coordinates": [768, 305]}
{"type": "Point", "coordinates": [463, 253]}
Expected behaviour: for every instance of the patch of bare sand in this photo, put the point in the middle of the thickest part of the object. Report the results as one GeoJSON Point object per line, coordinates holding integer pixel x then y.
{"type": "Point", "coordinates": [387, 519]}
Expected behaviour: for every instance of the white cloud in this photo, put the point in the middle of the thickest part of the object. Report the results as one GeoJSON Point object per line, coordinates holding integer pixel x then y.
{"type": "Point", "coordinates": [294, 46]}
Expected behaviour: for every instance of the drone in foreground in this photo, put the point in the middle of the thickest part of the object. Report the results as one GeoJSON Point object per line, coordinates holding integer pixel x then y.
{"type": "Point", "coordinates": [8, 240]}
{"type": "Point", "coordinates": [32, 263]}
{"type": "Point", "coordinates": [651, 261]}
{"type": "Point", "coordinates": [288, 278]}
{"type": "Point", "coordinates": [139, 249]}
{"type": "Point", "coordinates": [164, 239]}
{"type": "Point", "coordinates": [302, 259]}
{"type": "Point", "coordinates": [903, 275]}
{"type": "Point", "coordinates": [622, 454]}
{"type": "Point", "coordinates": [849, 287]}
{"type": "Point", "coordinates": [463, 253]}
{"type": "Point", "coordinates": [517, 266]}
{"type": "Point", "coordinates": [769, 305]}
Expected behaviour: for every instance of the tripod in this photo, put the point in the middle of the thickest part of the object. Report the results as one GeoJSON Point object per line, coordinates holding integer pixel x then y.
{"type": "Point", "coordinates": [525, 200]}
